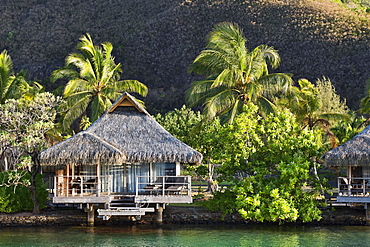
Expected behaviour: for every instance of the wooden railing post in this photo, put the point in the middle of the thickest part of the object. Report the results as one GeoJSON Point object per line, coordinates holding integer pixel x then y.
{"type": "Point", "coordinates": [137, 186]}
{"type": "Point", "coordinates": [363, 187]}
{"type": "Point", "coordinates": [55, 186]}
{"type": "Point", "coordinates": [189, 186]}
{"type": "Point", "coordinates": [163, 185]}
{"type": "Point", "coordinates": [109, 184]}
{"type": "Point", "coordinates": [349, 186]}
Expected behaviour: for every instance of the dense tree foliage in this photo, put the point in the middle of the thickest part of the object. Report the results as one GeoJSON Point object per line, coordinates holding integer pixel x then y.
{"type": "Point", "coordinates": [23, 128]}
{"type": "Point", "coordinates": [331, 102]}
{"type": "Point", "coordinates": [14, 194]}
{"type": "Point", "coordinates": [266, 162]}
{"type": "Point", "coordinates": [271, 180]}
{"type": "Point", "coordinates": [316, 106]}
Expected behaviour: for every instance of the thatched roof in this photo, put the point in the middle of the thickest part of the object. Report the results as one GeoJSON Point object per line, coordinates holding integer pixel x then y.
{"type": "Point", "coordinates": [355, 152]}
{"type": "Point", "coordinates": [125, 133]}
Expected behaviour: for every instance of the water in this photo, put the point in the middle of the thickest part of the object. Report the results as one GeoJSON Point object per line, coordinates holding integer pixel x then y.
{"type": "Point", "coordinates": [187, 236]}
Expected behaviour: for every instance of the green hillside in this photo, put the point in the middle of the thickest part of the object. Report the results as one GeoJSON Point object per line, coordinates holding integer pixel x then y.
{"type": "Point", "coordinates": [157, 40]}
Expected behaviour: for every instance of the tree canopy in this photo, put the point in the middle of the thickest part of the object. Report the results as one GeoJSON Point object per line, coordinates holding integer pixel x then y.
{"type": "Point", "coordinates": [94, 81]}
{"type": "Point", "coordinates": [23, 127]}
{"type": "Point", "coordinates": [235, 76]}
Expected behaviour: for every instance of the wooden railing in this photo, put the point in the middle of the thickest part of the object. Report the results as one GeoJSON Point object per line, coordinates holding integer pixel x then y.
{"type": "Point", "coordinates": [66, 186]}
{"type": "Point", "coordinates": [353, 186]}
{"type": "Point", "coordinates": [163, 185]}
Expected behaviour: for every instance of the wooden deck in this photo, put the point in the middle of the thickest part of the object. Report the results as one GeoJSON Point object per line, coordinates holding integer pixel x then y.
{"type": "Point", "coordinates": [356, 190]}
{"type": "Point", "coordinates": [159, 189]}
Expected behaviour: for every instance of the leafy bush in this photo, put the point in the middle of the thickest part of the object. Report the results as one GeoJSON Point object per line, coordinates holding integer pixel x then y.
{"type": "Point", "coordinates": [15, 199]}
{"type": "Point", "coordinates": [273, 183]}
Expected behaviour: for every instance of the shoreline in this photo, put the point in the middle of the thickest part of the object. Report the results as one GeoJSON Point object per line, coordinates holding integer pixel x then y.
{"type": "Point", "coordinates": [172, 215]}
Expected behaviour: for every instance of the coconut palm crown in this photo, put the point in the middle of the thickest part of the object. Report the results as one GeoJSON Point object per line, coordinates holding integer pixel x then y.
{"type": "Point", "coordinates": [13, 86]}
{"type": "Point", "coordinates": [94, 81]}
{"type": "Point", "coordinates": [235, 75]}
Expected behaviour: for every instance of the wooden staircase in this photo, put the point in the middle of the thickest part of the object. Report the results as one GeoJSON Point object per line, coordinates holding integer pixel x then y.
{"type": "Point", "coordinates": [123, 206]}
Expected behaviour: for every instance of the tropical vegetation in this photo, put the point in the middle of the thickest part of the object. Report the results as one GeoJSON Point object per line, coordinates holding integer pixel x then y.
{"type": "Point", "coordinates": [23, 128]}
{"type": "Point", "coordinates": [14, 86]}
{"type": "Point", "coordinates": [236, 76]}
{"type": "Point", "coordinates": [94, 82]}
{"type": "Point", "coordinates": [261, 137]}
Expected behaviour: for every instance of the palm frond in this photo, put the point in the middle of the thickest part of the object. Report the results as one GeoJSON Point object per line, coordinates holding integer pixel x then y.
{"type": "Point", "coordinates": [75, 111]}
{"type": "Point", "coordinates": [99, 105]}
{"type": "Point", "coordinates": [132, 86]}
{"type": "Point", "coordinates": [17, 86]}
{"type": "Point", "coordinates": [63, 73]}
{"type": "Point", "coordinates": [265, 106]}
{"type": "Point", "coordinates": [229, 78]}
{"type": "Point", "coordinates": [6, 66]}
{"type": "Point", "coordinates": [270, 55]}
{"type": "Point", "coordinates": [235, 110]}
{"type": "Point", "coordinates": [75, 59]}
{"type": "Point", "coordinates": [209, 62]}
{"type": "Point", "coordinates": [276, 85]}
{"type": "Point", "coordinates": [198, 92]}
{"type": "Point", "coordinates": [76, 85]}
{"type": "Point", "coordinates": [335, 116]}
{"type": "Point", "coordinates": [220, 103]}
{"type": "Point", "coordinates": [6, 70]}
{"type": "Point", "coordinates": [111, 74]}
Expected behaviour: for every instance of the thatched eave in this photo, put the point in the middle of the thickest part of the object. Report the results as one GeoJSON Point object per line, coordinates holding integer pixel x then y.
{"type": "Point", "coordinates": [126, 133]}
{"type": "Point", "coordinates": [355, 152]}
{"type": "Point", "coordinates": [83, 148]}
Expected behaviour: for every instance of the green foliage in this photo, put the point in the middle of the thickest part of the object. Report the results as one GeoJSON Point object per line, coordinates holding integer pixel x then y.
{"type": "Point", "coordinates": [24, 125]}
{"type": "Point", "coordinates": [331, 102]}
{"type": "Point", "coordinates": [27, 122]}
{"type": "Point", "coordinates": [346, 130]}
{"type": "Point", "coordinates": [235, 76]}
{"type": "Point", "coordinates": [273, 183]}
{"type": "Point", "coordinates": [15, 198]}
{"type": "Point", "coordinates": [94, 81]}
{"type": "Point", "coordinates": [181, 123]}
{"type": "Point", "coordinates": [14, 86]}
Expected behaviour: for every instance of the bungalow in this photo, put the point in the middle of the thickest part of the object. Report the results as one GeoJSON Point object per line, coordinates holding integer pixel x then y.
{"type": "Point", "coordinates": [355, 156]}
{"type": "Point", "coordinates": [125, 163]}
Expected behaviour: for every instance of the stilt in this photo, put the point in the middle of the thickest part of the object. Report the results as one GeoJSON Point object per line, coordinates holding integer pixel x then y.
{"type": "Point", "coordinates": [367, 214]}
{"type": "Point", "coordinates": [90, 215]}
{"type": "Point", "coordinates": [159, 215]}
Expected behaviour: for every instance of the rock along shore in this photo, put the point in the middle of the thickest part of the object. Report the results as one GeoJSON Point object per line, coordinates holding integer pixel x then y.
{"type": "Point", "coordinates": [171, 215]}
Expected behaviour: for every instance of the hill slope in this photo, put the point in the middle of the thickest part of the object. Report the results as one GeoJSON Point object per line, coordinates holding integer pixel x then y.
{"type": "Point", "coordinates": [157, 40]}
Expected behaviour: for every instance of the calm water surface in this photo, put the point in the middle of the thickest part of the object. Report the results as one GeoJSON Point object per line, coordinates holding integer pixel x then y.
{"type": "Point", "coordinates": [190, 235]}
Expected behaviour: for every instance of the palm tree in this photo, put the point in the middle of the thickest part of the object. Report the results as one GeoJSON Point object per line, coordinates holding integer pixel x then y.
{"type": "Point", "coordinates": [235, 75]}
{"type": "Point", "coordinates": [304, 102]}
{"type": "Point", "coordinates": [96, 82]}
{"type": "Point", "coordinates": [365, 102]}
{"type": "Point", "coordinates": [12, 86]}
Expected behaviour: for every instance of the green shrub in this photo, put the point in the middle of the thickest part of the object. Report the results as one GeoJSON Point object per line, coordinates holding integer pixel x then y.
{"type": "Point", "coordinates": [18, 198]}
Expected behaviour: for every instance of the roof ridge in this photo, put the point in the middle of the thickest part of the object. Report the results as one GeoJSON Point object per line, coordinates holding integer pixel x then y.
{"type": "Point", "coordinates": [104, 142]}
{"type": "Point", "coordinates": [127, 99]}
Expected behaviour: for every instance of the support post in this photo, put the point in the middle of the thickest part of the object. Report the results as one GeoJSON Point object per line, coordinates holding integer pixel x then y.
{"type": "Point", "coordinates": [90, 215]}
{"type": "Point", "coordinates": [159, 215]}
{"type": "Point", "coordinates": [367, 213]}
{"type": "Point", "coordinates": [98, 186]}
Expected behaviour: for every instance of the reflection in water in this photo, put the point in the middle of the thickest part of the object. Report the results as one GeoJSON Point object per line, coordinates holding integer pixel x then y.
{"type": "Point", "coordinates": [188, 235]}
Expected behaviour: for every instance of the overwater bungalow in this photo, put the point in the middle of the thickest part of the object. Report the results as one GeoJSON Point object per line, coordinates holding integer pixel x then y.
{"type": "Point", "coordinates": [125, 163]}
{"type": "Point", "coordinates": [355, 156]}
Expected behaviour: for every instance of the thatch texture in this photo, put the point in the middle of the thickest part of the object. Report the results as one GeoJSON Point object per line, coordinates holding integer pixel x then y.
{"type": "Point", "coordinates": [355, 152]}
{"type": "Point", "coordinates": [127, 134]}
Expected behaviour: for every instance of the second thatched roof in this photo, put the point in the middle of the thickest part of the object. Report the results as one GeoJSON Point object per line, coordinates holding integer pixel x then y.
{"type": "Point", "coordinates": [126, 133]}
{"type": "Point", "coordinates": [355, 152]}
